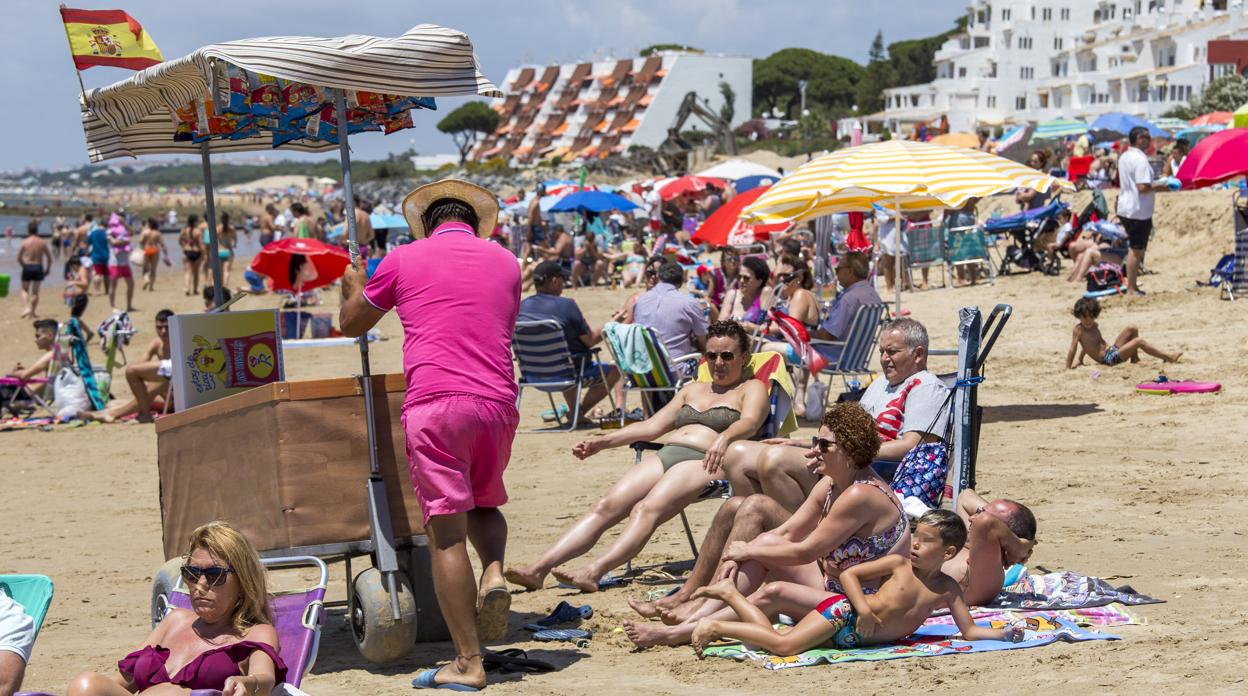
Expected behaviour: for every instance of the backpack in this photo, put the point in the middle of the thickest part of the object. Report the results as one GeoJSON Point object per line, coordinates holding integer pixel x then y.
{"type": "Point", "coordinates": [1104, 277]}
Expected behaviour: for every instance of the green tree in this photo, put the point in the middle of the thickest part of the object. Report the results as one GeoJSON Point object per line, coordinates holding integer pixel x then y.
{"type": "Point", "coordinates": [729, 109]}
{"type": "Point", "coordinates": [467, 124]}
{"type": "Point", "coordinates": [830, 81]}
{"type": "Point", "coordinates": [651, 50]}
{"type": "Point", "coordinates": [878, 77]}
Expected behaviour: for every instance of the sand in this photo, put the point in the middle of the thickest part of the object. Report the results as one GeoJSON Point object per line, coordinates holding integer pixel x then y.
{"type": "Point", "coordinates": [1137, 489]}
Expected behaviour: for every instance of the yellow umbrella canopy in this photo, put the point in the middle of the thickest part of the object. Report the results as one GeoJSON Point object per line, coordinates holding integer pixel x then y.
{"type": "Point", "coordinates": [957, 140]}
{"type": "Point", "coordinates": [896, 174]}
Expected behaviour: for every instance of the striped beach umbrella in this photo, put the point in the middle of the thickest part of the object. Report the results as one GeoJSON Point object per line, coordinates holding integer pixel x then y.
{"type": "Point", "coordinates": [1173, 125]}
{"type": "Point", "coordinates": [1062, 127]}
{"type": "Point", "coordinates": [901, 175]}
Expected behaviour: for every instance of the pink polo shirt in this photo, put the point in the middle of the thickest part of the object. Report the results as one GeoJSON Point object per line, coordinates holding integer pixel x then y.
{"type": "Point", "coordinates": [457, 297]}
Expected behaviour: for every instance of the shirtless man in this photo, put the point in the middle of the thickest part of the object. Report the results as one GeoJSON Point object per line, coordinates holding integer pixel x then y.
{"type": "Point", "coordinates": [268, 228]}
{"type": "Point", "coordinates": [999, 534]}
{"type": "Point", "coordinates": [36, 262]}
{"type": "Point", "coordinates": [364, 226]}
{"type": "Point", "coordinates": [561, 249]}
{"type": "Point", "coordinates": [45, 339]}
{"type": "Point", "coordinates": [147, 379]}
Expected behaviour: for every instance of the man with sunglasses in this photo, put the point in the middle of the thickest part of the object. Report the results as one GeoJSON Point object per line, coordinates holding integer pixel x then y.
{"type": "Point", "coordinates": [457, 295]}
{"type": "Point", "coordinates": [856, 291]}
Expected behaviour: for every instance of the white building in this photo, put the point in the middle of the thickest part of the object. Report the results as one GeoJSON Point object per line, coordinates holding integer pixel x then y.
{"type": "Point", "coordinates": [1037, 60]}
{"type": "Point", "coordinates": [581, 110]}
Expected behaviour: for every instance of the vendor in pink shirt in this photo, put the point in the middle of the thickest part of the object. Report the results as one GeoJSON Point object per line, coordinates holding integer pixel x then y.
{"type": "Point", "coordinates": [457, 295]}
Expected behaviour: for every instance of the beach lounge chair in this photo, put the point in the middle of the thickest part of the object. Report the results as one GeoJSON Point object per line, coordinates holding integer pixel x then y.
{"type": "Point", "coordinates": [768, 366]}
{"type": "Point", "coordinates": [546, 364]}
{"type": "Point", "coordinates": [926, 244]}
{"type": "Point", "coordinates": [855, 353]}
{"type": "Point", "coordinates": [298, 616]}
{"type": "Point", "coordinates": [656, 385]}
{"type": "Point", "coordinates": [34, 594]}
{"type": "Point", "coordinates": [22, 397]}
{"type": "Point", "coordinates": [968, 246]}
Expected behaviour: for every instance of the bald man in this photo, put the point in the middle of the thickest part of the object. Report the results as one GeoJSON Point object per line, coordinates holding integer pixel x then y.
{"type": "Point", "coordinates": [999, 534]}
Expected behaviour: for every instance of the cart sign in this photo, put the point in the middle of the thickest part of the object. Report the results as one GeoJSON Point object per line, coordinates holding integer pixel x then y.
{"type": "Point", "coordinates": [219, 354]}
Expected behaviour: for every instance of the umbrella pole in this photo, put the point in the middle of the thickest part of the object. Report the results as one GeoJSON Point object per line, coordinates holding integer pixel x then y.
{"type": "Point", "coordinates": [214, 258]}
{"type": "Point", "coordinates": [378, 504]}
{"type": "Point", "coordinates": [897, 255]}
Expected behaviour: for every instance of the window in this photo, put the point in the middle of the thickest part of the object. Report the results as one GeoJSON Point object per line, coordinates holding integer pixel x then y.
{"type": "Point", "coordinates": [1027, 72]}
{"type": "Point", "coordinates": [981, 41]}
{"type": "Point", "coordinates": [1057, 43]}
{"type": "Point", "coordinates": [1065, 14]}
{"type": "Point", "coordinates": [962, 71]}
{"type": "Point", "coordinates": [1024, 43]}
{"type": "Point", "coordinates": [1005, 15]}
{"type": "Point", "coordinates": [1046, 14]}
{"type": "Point", "coordinates": [1222, 69]}
{"type": "Point", "coordinates": [1033, 13]}
{"type": "Point", "coordinates": [992, 101]}
{"type": "Point", "coordinates": [1020, 103]}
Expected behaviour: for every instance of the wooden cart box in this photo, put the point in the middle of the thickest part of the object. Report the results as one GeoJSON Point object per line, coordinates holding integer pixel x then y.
{"type": "Point", "coordinates": [286, 463]}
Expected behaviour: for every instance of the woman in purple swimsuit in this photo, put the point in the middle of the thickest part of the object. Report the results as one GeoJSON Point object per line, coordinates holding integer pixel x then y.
{"type": "Point", "coordinates": [850, 517]}
{"type": "Point", "coordinates": [227, 643]}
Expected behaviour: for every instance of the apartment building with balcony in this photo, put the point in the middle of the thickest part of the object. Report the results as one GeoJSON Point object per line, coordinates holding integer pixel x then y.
{"type": "Point", "coordinates": [592, 109]}
{"type": "Point", "coordinates": [1036, 60]}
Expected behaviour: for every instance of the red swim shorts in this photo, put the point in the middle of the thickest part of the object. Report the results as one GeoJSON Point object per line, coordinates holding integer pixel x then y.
{"type": "Point", "coordinates": [458, 446]}
{"type": "Point", "coordinates": [116, 272]}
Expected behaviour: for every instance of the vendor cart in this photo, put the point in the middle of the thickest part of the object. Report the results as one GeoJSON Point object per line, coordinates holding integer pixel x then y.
{"type": "Point", "coordinates": [299, 494]}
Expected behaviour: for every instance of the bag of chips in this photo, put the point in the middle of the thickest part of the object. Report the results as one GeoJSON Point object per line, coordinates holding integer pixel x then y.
{"type": "Point", "coordinates": [266, 95]}
{"type": "Point", "coordinates": [237, 96]}
{"type": "Point", "coordinates": [368, 101]}
{"type": "Point", "coordinates": [300, 99]}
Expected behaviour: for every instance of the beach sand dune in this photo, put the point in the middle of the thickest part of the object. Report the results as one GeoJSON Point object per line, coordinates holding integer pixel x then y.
{"type": "Point", "coordinates": [1141, 490]}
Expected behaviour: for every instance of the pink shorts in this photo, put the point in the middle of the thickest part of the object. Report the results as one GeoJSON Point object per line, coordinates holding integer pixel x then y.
{"type": "Point", "coordinates": [457, 448]}
{"type": "Point", "coordinates": [115, 272]}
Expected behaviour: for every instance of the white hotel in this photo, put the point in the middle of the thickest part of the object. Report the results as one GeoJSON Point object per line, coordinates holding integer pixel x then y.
{"type": "Point", "coordinates": [1038, 60]}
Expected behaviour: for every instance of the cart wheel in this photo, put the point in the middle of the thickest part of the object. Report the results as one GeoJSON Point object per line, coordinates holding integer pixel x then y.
{"type": "Point", "coordinates": [163, 580]}
{"type": "Point", "coordinates": [430, 624]}
{"type": "Point", "coordinates": [378, 636]}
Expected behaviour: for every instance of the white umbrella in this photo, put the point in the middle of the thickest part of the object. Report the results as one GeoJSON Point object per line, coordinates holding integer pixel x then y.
{"type": "Point", "coordinates": [735, 169]}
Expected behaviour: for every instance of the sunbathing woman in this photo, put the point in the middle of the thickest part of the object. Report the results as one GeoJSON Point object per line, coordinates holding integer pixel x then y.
{"type": "Point", "coordinates": [703, 420]}
{"type": "Point", "coordinates": [227, 643]}
{"type": "Point", "coordinates": [850, 517]}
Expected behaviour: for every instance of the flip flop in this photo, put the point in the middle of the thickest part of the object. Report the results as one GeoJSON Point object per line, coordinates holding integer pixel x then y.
{"type": "Point", "coordinates": [425, 680]}
{"type": "Point", "coordinates": [513, 660]}
{"type": "Point", "coordinates": [573, 635]}
{"type": "Point", "coordinates": [492, 614]}
{"type": "Point", "coordinates": [563, 613]}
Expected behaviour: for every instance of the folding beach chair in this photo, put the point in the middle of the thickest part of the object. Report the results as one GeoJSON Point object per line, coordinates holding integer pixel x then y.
{"type": "Point", "coordinates": [660, 383]}
{"type": "Point", "coordinates": [770, 367]}
{"type": "Point", "coordinates": [855, 351]}
{"type": "Point", "coordinates": [298, 616]}
{"type": "Point", "coordinates": [546, 364]}
{"type": "Point", "coordinates": [926, 244]}
{"type": "Point", "coordinates": [22, 397]}
{"type": "Point", "coordinates": [968, 246]}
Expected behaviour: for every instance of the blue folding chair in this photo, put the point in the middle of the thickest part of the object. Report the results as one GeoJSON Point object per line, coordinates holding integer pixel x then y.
{"type": "Point", "coordinates": [33, 593]}
{"type": "Point", "coordinates": [854, 357]}
{"type": "Point", "coordinates": [546, 364]}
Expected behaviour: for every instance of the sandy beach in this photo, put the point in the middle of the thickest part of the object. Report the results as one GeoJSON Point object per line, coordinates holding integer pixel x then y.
{"type": "Point", "coordinates": [1137, 489]}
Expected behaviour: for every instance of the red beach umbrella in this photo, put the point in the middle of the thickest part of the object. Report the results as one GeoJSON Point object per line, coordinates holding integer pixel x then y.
{"type": "Point", "coordinates": [1213, 118]}
{"type": "Point", "coordinates": [689, 184]}
{"type": "Point", "coordinates": [724, 227]}
{"type": "Point", "coordinates": [1221, 156]}
{"type": "Point", "coordinates": [273, 261]}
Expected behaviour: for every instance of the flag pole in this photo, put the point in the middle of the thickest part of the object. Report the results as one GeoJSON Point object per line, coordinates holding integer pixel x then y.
{"type": "Point", "coordinates": [81, 89]}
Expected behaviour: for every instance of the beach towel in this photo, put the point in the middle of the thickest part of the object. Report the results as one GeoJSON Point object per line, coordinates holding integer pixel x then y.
{"type": "Point", "coordinates": [1066, 590]}
{"type": "Point", "coordinates": [932, 639]}
{"type": "Point", "coordinates": [628, 342]}
{"type": "Point", "coordinates": [80, 363]}
{"type": "Point", "coordinates": [795, 333]}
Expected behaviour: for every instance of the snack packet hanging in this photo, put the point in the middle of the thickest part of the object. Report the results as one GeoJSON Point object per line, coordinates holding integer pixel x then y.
{"type": "Point", "coordinates": [266, 95]}
{"type": "Point", "coordinates": [236, 98]}
{"type": "Point", "coordinates": [368, 101]}
{"type": "Point", "coordinates": [397, 122]}
{"type": "Point", "coordinates": [300, 99]}
{"type": "Point", "coordinates": [396, 104]}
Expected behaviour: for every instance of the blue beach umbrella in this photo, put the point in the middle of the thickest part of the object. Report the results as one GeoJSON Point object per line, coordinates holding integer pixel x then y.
{"type": "Point", "coordinates": [746, 183]}
{"type": "Point", "coordinates": [593, 201]}
{"type": "Point", "coordinates": [1121, 124]}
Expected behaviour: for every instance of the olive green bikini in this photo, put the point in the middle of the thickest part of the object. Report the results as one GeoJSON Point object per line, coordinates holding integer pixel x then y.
{"type": "Point", "coordinates": [717, 418]}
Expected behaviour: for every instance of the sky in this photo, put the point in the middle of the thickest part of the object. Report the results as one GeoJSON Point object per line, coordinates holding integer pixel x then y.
{"type": "Point", "coordinates": [37, 71]}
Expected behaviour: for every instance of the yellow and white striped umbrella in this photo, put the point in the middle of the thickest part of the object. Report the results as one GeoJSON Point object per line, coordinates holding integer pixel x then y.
{"type": "Point", "coordinates": [914, 175]}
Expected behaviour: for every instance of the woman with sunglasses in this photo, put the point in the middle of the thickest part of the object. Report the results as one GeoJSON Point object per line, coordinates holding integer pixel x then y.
{"type": "Point", "coordinates": [701, 421]}
{"type": "Point", "coordinates": [796, 300]}
{"type": "Point", "coordinates": [747, 303]}
{"type": "Point", "coordinates": [226, 642]}
{"type": "Point", "coordinates": [850, 517]}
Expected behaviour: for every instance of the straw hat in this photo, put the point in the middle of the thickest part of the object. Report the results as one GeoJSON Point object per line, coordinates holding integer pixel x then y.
{"type": "Point", "coordinates": [479, 199]}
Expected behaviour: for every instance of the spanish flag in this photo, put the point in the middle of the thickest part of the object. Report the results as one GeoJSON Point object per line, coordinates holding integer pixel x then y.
{"type": "Point", "coordinates": [108, 37]}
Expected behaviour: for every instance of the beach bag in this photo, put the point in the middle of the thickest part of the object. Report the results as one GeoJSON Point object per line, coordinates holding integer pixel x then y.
{"type": "Point", "coordinates": [1104, 277]}
{"type": "Point", "coordinates": [136, 257]}
{"type": "Point", "coordinates": [69, 394]}
{"type": "Point", "coordinates": [816, 392]}
{"type": "Point", "coordinates": [922, 471]}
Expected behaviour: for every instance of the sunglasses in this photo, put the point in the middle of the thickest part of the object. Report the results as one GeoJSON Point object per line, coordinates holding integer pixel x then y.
{"type": "Point", "coordinates": [651, 272]}
{"type": "Point", "coordinates": [821, 443]}
{"type": "Point", "coordinates": [790, 277]}
{"type": "Point", "coordinates": [725, 356]}
{"type": "Point", "coordinates": [216, 575]}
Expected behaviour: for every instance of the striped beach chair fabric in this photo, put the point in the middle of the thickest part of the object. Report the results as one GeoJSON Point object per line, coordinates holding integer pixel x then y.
{"type": "Point", "coordinates": [968, 246]}
{"type": "Point", "coordinates": [546, 364]}
{"type": "Point", "coordinates": [659, 385]}
{"type": "Point", "coordinates": [856, 349]}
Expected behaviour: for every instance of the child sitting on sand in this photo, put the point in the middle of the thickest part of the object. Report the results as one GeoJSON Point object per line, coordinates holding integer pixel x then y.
{"type": "Point", "coordinates": [1087, 340]}
{"type": "Point", "coordinates": [911, 590]}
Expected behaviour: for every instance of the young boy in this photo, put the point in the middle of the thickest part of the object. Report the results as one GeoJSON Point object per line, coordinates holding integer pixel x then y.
{"type": "Point", "coordinates": [911, 589]}
{"type": "Point", "coordinates": [1087, 340]}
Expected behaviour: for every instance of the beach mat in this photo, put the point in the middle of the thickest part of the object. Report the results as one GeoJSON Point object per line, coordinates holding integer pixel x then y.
{"type": "Point", "coordinates": [931, 640]}
{"type": "Point", "coordinates": [1067, 590]}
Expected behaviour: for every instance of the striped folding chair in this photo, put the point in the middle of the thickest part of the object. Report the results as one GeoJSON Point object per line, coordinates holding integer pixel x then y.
{"type": "Point", "coordinates": [926, 244]}
{"type": "Point", "coordinates": [968, 246]}
{"type": "Point", "coordinates": [660, 383]}
{"type": "Point", "coordinates": [855, 351]}
{"type": "Point", "coordinates": [546, 364]}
